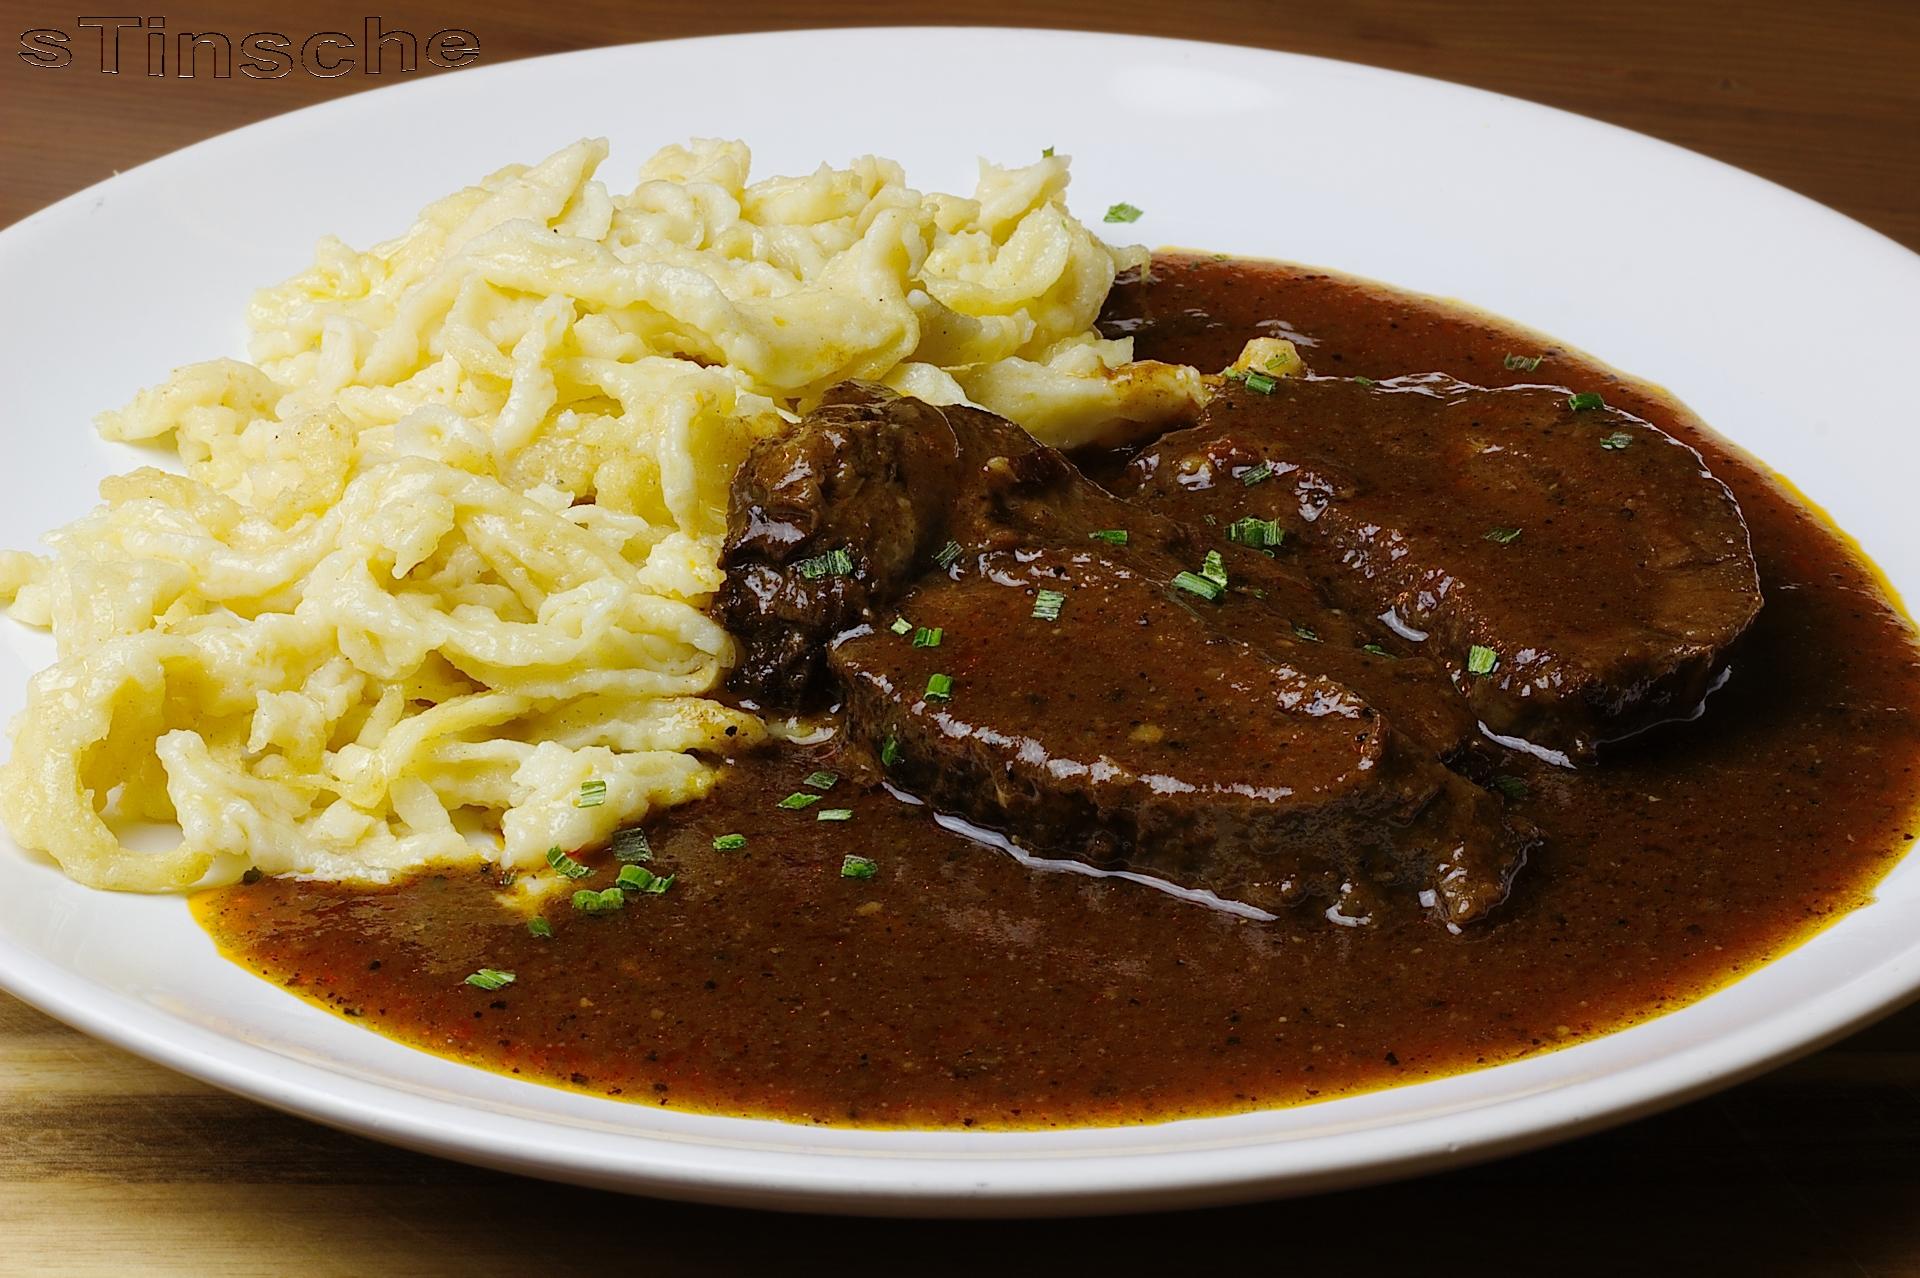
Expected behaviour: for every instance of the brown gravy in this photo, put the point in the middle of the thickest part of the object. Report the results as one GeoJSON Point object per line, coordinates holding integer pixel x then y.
{"type": "Point", "coordinates": [958, 987]}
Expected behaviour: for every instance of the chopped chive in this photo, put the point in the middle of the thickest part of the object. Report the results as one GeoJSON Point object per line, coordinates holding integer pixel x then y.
{"type": "Point", "coordinates": [1214, 569]}
{"type": "Point", "coordinates": [1112, 536]}
{"type": "Point", "coordinates": [1481, 659]}
{"type": "Point", "coordinates": [928, 636]}
{"type": "Point", "coordinates": [1366, 381]}
{"type": "Point", "coordinates": [1377, 650]}
{"type": "Point", "coordinates": [593, 793]}
{"type": "Point", "coordinates": [1511, 786]}
{"type": "Point", "coordinates": [834, 814]}
{"type": "Point", "coordinates": [858, 867]}
{"type": "Point", "coordinates": [1255, 474]}
{"type": "Point", "coordinates": [822, 780]}
{"type": "Point", "coordinates": [1048, 603]}
{"type": "Point", "coordinates": [1505, 536]}
{"type": "Point", "coordinates": [797, 800]}
{"type": "Point", "coordinates": [890, 751]}
{"type": "Point", "coordinates": [730, 843]}
{"type": "Point", "coordinates": [940, 687]}
{"type": "Point", "coordinates": [1615, 442]}
{"type": "Point", "coordinates": [1260, 383]}
{"type": "Point", "coordinates": [605, 901]}
{"type": "Point", "coordinates": [948, 555]}
{"type": "Point", "coordinates": [631, 845]}
{"type": "Point", "coordinates": [1585, 401]}
{"type": "Point", "coordinates": [1047, 154]}
{"type": "Point", "coordinates": [1257, 534]}
{"type": "Point", "coordinates": [1523, 363]}
{"type": "Point", "coordinates": [835, 563]}
{"type": "Point", "coordinates": [1308, 633]}
{"type": "Point", "coordinates": [567, 865]}
{"type": "Point", "coordinates": [491, 978]}
{"type": "Point", "coordinates": [901, 626]}
{"type": "Point", "coordinates": [638, 878]}
{"type": "Point", "coordinates": [1193, 583]}
{"type": "Point", "coordinates": [540, 927]}
{"type": "Point", "coordinates": [1123, 212]}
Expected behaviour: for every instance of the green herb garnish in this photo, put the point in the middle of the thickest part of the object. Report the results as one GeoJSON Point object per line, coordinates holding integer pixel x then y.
{"type": "Point", "coordinates": [940, 687]}
{"type": "Point", "coordinates": [797, 800]}
{"type": "Point", "coordinates": [491, 978]}
{"type": "Point", "coordinates": [631, 845]}
{"type": "Point", "coordinates": [1112, 536]}
{"type": "Point", "coordinates": [1260, 383]}
{"type": "Point", "coordinates": [605, 901]}
{"type": "Point", "coordinates": [890, 751]}
{"type": "Point", "coordinates": [948, 555]}
{"type": "Point", "coordinates": [593, 793]}
{"type": "Point", "coordinates": [1254, 474]}
{"type": "Point", "coordinates": [1194, 584]}
{"type": "Point", "coordinates": [1377, 651]}
{"type": "Point", "coordinates": [1214, 569]}
{"type": "Point", "coordinates": [1308, 633]}
{"type": "Point", "coordinates": [1047, 154]}
{"type": "Point", "coordinates": [901, 626]}
{"type": "Point", "coordinates": [1523, 363]}
{"type": "Point", "coordinates": [1366, 381]}
{"type": "Point", "coordinates": [1123, 212]}
{"type": "Point", "coordinates": [1481, 660]}
{"type": "Point", "coordinates": [834, 814]}
{"type": "Point", "coordinates": [1048, 603]}
{"type": "Point", "coordinates": [1585, 401]}
{"type": "Point", "coordinates": [567, 865]}
{"type": "Point", "coordinates": [1505, 536]}
{"type": "Point", "coordinates": [1615, 442]}
{"type": "Point", "coordinates": [540, 928]}
{"type": "Point", "coordinates": [928, 637]}
{"type": "Point", "coordinates": [835, 563]}
{"type": "Point", "coordinates": [638, 878]}
{"type": "Point", "coordinates": [858, 867]}
{"type": "Point", "coordinates": [821, 780]}
{"type": "Point", "coordinates": [1257, 534]}
{"type": "Point", "coordinates": [730, 843]}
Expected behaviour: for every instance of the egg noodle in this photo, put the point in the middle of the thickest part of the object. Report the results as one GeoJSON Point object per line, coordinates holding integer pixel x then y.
{"type": "Point", "coordinates": [432, 585]}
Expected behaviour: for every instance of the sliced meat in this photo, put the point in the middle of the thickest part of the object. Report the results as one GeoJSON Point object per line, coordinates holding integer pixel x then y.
{"type": "Point", "coordinates": [1131, 732]}
{"type": "Point", "coordinates": [1578, 572]}
{"type": "Point", "coordinates": [838, 485]}
{"type": "Point", "coordinates": [1247, 745]}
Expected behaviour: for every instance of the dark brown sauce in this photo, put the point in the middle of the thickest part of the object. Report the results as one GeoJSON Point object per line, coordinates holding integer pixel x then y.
{"type": "Point", "coordinates": [959, 987]}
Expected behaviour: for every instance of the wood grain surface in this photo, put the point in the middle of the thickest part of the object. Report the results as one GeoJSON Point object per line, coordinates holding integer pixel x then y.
{"type": "Point", "coordinates": [109, 1165]}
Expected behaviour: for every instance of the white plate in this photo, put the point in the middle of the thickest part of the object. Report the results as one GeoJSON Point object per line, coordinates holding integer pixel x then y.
{"type": "Point", "coordinates": [1784, 324]}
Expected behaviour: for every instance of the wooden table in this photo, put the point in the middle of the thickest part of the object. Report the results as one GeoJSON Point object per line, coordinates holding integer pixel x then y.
{"type": "Point", "coordinates": [111, 1165]}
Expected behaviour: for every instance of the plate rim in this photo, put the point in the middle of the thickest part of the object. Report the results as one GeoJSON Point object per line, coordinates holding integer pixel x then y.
{"type": "Point", "coordinates": [871, 1182]}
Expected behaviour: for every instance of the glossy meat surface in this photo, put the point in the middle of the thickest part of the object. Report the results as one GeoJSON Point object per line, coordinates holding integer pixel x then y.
{"type": "Point", "coordinates": [1247, 744]}
{"type": "Point", "coordinates": [1577, 571]}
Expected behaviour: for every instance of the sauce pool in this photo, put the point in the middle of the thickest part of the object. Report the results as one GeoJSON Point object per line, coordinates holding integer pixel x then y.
{"type": "Point", "coordinates": [957, 987]}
